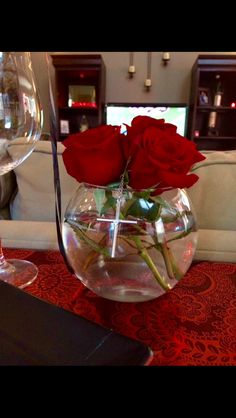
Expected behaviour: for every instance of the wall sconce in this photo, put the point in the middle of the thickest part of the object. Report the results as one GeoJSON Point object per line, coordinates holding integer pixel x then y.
{"type": "Point", "coordinates": [148, 81]}
{"type": "Point", "coordinates": [165, 58]}
{"type": "Point", "coordinates": [131, 70]}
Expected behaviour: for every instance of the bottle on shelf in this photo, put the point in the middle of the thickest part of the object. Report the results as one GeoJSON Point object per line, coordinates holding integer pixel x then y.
{"type": "Point", "coordinates": [212, 130]}
{"type": "Point", "coordinates": [83, 123]}
{"type": "Point", "coordinates": [212, 121]}
{"type": "Point", "coordinates": [218, 91]}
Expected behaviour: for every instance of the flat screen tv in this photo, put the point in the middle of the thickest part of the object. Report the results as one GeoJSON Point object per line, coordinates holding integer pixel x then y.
{"type": "Point", "coordinates": [175, 113]}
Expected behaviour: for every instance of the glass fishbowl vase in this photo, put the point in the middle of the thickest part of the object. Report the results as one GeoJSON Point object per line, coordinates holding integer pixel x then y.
{"type": "Point", "coordinates": [127, 245]}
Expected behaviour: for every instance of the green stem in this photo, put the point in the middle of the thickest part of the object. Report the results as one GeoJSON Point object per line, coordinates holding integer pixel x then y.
{"type": "Point", "coordinates": [94, 254]}
{"type": "Point", "coordinates": [96, 247]}
{"type": "Point", "coordinates": [174, 272]}
{"type": "Point", "coordinates": [177, 271]}
{"type": "Point", "coordinates": [168, 264]}
{"type": "Point", "coordinates": [182, 235]}
{"type": "Point", "coordinates": [146, 257]}
{"type": "Point", "coordinates": [172, 269]}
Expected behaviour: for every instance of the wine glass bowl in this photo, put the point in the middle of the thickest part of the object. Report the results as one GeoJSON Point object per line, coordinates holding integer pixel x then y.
{"type": "Point", "coordinates": [20, 115]}
{"type": "Point", "coordinates": [20, 128]}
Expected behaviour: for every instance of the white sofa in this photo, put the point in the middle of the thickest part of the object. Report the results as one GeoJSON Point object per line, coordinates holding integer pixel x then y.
{"type": "Point", "coordinates": [33, 207]}
{"type": "Point", "coordinates": [214, 200]}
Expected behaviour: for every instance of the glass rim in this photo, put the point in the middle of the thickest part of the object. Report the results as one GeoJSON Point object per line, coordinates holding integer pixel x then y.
{"type": "Point", "coordinates": [129, 189]}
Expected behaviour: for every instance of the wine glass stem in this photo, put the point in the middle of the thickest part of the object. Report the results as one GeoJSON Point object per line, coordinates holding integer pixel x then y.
{"type": "Point", "coordinates": [19, 273]}
{"type": "Point", "coordinates": [5, 267]}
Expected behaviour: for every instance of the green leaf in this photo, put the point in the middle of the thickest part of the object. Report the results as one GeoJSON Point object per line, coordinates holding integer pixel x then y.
{"type": "Point", "coordinates": [110, 202]}
{"type": "Point", "coordinates": [143, 209]}
{"type": "Point", "coordinates": [161, 201]}
{"type": "Point", "coordinates": [99, 196]}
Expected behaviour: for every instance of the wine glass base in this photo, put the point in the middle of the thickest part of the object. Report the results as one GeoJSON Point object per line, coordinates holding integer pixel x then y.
{"type": "Point", "coordinates": [18, 273]}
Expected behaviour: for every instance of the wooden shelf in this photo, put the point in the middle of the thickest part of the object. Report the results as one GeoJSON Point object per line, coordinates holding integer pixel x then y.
{"type": "Point", "coordinates": [214, 144]}
{"type": "Point", "coordinates": [79, 109]}
{"type": "Point", "coordinates": [82, 79]}
{"type": "Point", "coordinates": [215, 108]}
{"type": "Point", "coordinates": [220, 138]}
{"type": "Point", "coordinates": [203, 78]}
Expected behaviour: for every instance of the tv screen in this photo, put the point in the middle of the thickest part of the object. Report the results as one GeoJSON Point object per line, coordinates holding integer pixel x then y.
{"type": "Point", "coordinates": [119, 113]}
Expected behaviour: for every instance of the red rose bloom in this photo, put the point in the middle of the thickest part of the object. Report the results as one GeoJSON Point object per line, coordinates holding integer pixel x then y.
{"type": "Point", "coordinates": [95, 156]}
{"type": "Point", "coordinates": [159, 156]}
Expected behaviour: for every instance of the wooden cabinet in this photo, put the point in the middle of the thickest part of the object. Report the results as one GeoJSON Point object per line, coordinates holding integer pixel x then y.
{"type": "Point", "coordinates": [204, 107]}
{"type": "Point", "coordinates": [80, 87]}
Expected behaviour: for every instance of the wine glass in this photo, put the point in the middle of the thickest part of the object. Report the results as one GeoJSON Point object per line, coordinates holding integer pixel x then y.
{"type": "Point", "coordinates": [20, 128]}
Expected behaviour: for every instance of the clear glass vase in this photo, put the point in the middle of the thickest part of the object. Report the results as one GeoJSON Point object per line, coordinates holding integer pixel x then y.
{"type": "Point", "coordinates": [129, 246]}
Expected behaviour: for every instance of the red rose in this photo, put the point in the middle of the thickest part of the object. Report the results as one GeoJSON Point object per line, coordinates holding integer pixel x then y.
{"type": "Point", "coordinates": [159, 156]}
{"type": "Point", "coordinates": [95, 155]}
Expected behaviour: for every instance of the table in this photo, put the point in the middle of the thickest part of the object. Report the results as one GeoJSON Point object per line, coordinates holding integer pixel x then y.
{"type": "Point", "coordinates": [193, 324]}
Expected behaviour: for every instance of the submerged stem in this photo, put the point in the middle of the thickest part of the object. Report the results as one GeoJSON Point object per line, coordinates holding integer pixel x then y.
{"type": "Point", "coordinates": [94, 254]}
{"type": "Point", "coordinates": [96, 247]}
{"type": "Point", "coordinates": [166, 255]}
{"type": "Point", "coordinates": [174, 272]}
{"type": "Point", "coordinates": [146, 257]}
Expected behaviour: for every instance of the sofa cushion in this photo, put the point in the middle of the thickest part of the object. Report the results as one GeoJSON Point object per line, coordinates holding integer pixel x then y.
{"type": "Point", "coordinates": [28, 234]}
{"type": "Point", "coordinates": [212, 245]}
{"type": "Point", "coordinates": [214, 194]}
{"type": "Point", "coordinates": [35, 198]}
{"type": "Point", "coordinates": [216, 245]}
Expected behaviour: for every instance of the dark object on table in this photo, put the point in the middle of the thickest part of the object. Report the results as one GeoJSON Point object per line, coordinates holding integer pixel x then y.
{"type": "Point", "coordinates": [34, 332]}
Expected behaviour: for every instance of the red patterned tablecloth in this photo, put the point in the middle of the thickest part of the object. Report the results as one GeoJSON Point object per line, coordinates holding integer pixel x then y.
{"type": "Point", "coordinates": [193, 324]}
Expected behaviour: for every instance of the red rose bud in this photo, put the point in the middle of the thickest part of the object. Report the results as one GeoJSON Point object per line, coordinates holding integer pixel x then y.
{"type": "Point", "coordinates": [159, 156]}
{"type": "Point", "coordinates": [95, 156]}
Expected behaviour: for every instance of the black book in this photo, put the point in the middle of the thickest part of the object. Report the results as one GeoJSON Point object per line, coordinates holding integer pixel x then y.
{"type": "Point", "coordinates": [35, 332]}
